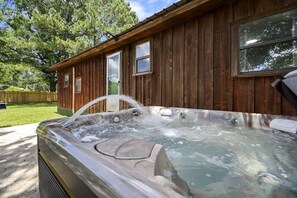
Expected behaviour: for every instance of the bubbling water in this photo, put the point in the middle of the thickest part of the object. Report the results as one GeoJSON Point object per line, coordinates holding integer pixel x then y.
{"type": "Point", "coordinates": [216, 160]}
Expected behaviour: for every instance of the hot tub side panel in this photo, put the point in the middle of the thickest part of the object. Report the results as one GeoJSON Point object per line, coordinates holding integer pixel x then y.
{"type": "Point", "coordinates": [55, 178]}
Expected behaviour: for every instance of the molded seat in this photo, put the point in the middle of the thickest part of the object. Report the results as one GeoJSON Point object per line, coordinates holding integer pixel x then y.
{"type": "Point", "coordinates": [126, 148]}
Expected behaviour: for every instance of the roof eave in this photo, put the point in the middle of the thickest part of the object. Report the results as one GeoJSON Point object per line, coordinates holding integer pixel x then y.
{"type": "Point", "coordinates": [159, 21]}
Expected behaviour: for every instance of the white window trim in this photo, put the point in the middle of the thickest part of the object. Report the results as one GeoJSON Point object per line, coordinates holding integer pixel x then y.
{"type": "Point", "coordinates": [135, 73]}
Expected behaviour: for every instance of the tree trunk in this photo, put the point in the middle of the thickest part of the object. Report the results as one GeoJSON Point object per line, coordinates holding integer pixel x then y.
{"type": "Point", "coordinates": [53, 87]}
{"type": "Point", "coordinates": [52, 79]}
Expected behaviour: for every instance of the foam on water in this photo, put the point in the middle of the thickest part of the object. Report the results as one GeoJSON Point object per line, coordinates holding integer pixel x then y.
{"type": "Point", "coordinates": [215, 160]}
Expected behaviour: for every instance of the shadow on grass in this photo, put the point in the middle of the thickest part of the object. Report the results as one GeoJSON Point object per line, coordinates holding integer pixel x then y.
{"type": "Point", "coordinates": [4, 126]}
{"type": "Point", "coordinates": [13, 105]}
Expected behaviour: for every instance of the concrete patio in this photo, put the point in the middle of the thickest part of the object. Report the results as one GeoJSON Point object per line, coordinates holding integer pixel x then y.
{"type": "Point", "coordinates": [18, 162]}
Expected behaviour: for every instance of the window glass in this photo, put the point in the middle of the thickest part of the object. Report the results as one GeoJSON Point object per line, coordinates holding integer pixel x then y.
{"type": "Point", "coordinates": [142, 58]}
{"type": "Point", "coordinates": [269, 43]}
{"type": "Point", "coordinates": [269, 57]}
{"type": "Point", "coordinates": [143, 50]}
{"type": "Point", "coordinates": [66, 80]}
{"type": "Point", "coordinates": [270, 28]}
{"type": "Point", "coordinates": [113, 74]}
{"type": "Point", "coordinates": [143, 65]}
{"type": "Point", "coordinates": [77, 85]}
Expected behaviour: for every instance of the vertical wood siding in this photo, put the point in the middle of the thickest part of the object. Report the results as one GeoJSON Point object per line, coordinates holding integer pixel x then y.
{"type": "Point", "coordinates": [65, 93]}
{"type": "Point", "coordinates": [191, 68]}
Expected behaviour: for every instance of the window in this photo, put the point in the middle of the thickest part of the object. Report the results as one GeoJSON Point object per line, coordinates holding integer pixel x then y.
{"type": "Point", "coordinates": [66, 80]}
{"type": "Point", "coordinates": [142, 58]}
{"type": "Point", "coordinates": [78, 85]}
{"type": "Point", "coordinates": [269, 43]}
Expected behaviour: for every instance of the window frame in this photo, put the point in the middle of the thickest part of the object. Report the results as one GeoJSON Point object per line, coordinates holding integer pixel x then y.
{"type": "Point", "coordinates": [150, 71]}
{"type": "Point", "coordinates": [66, 85]}
{"type": "Point", "coordinates": [77, 78]}
{"type": "Point", "coordinates": [235, 45]}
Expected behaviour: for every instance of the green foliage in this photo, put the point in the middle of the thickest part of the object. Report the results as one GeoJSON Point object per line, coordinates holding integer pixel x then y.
{"type": "Point", "coordinates": [113, 88]}
{"type": "Point", "coordinates": [22, 77]}
{"type": "Point", "coordinates": [42, 33]}
{"type": "Point", "coordinates": [13, 88]}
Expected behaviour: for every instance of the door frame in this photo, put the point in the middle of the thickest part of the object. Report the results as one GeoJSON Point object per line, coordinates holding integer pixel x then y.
{"type": "Point", "coordinates": [118, 53]}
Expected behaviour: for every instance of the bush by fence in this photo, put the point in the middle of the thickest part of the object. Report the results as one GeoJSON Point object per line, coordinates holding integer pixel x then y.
{"type": "Point", "coordinates": [27, 97]}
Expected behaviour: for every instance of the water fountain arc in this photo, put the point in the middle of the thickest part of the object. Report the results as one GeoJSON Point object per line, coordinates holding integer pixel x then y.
{"type": "Point", "coordinates": [124, 98]}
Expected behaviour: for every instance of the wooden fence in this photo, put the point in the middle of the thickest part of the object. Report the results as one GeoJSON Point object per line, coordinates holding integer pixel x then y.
{"type": "Point", "coordinates": [27, 97]}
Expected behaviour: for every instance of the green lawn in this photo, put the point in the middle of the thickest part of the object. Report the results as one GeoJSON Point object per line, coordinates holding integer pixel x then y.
{"type": "Point", "coordinates": [18, 114]}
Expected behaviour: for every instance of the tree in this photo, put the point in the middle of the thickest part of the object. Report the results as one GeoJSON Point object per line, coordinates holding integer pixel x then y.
{"type": "Point", "coordinates": [42, 33]}
{"type": "Point", "coordinates": [23, 76]}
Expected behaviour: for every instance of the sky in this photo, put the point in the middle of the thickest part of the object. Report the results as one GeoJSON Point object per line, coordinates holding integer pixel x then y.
{"type": "Point", "coordinates": [146, 8]}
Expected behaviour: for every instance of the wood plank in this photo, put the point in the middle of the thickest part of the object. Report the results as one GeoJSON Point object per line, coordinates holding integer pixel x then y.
{"type": "Point", "coordinates": [278, 99]}
{"type": "Point", "coordinates": [85, 87]}
{"type": "Point", "coordinates": [125, 74]}
{"type": "Point", "coordinates": [242, 9]}
{"type": "Point", "coordinates": [103, 58]}
{"type": "Point", "coordinates": [148, 90]}
{"type": "Point", "coordinates": [178, 67]}
{"type": "Point", "coordinates": [167, 68]}
{"type": "Point", "coordinates": [157, 72]}
{"type": "Point", "coordinates": [223, 83]}
{"type": "Point", "coordinates": [264, 5]}
{"type": "Point", "coordinates": [225, 56]}
{"type": "Point", "coordinates": [218, 60]}
{"type": "Point", "coordinates": [201, 64]}
{"type": "Point", "coordinates": [93, 83]}
{"type": "Point", "coordinates": [251, 95]}
{"type": "Point", "coordinates": [191, 65]}
{"type": "Point", "coordinates": [76, 68]}
{"type": "Point", "coordinates": [138, 89]}
{"type": "Point", "coordinates": [237, 96]}
{"type": "Point", "coordinates": [240, 96]}
{"type": "Point", "coordinates": [70, 92]}
{"type": "Point", "coordinates": [96, 86]}
{"type": "Point", "coordinates": [288, 2]}
{"type": "Point", "coordinates": [208, 64]}
{"type": "Point", "coordinates": [259, 96]}
{"type": "Point", "coordinates": [100, 80]}
{"type": "Point", "coordinates": [269, 96]}
{"type": "Point", "coordinates": [20, 97]}
{"type": "Point", "coordinates": [142, 84]}
{"type": "Point", "coordinates": [244, 97]}
{"type": "Point", "coordinates": [133, 82]}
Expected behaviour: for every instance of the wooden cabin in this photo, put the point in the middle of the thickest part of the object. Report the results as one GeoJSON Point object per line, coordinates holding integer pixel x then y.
{"type": "Point", "coordinates": [205, 54]}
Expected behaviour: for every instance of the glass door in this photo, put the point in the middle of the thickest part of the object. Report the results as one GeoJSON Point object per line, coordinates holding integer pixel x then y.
{"type": "Point", "coordinates": [113, 81]}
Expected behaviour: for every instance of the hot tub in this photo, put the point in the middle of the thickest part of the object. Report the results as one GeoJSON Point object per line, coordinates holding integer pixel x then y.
{"type": "Point", "coordinates": [167, 152]}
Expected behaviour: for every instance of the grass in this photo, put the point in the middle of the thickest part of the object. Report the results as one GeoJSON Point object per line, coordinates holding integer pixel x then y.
{"type": "Point", "coordinates": [19, 114]}
{"type": "Point", "coordinates": [13, 88]}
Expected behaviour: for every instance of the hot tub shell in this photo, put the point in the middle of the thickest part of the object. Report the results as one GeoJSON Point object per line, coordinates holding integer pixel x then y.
{"type": "Point", "coordinates": [119, 167]}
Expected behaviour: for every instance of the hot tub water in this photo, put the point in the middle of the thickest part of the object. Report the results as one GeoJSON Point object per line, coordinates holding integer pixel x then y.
{"type": "Point", "coordinates": [215, 159]}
